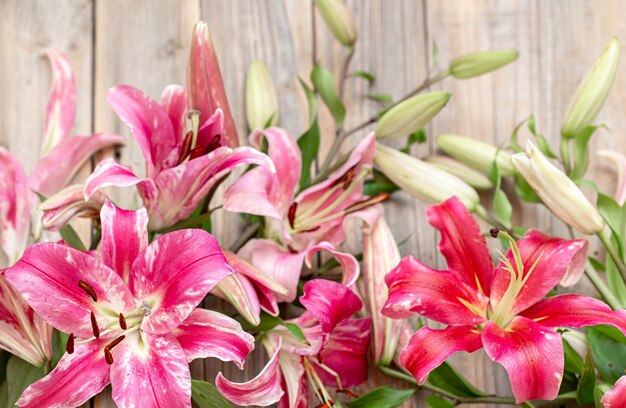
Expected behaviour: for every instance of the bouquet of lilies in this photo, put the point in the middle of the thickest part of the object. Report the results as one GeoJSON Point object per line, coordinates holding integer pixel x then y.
{"type": "Point", "coordinates": [127, 308]}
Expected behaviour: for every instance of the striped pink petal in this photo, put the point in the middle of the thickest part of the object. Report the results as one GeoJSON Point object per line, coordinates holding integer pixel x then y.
{"type": "Point", "coordinates": [60, 208]}
{"type": "Point", "coordinates": [348, 263]}
{"type": "Point", "coordinates": [109, 173]}
{"type": "Point", "coordinates": [174, 103]}
{"type": "Point", "coordinates": [330, 302]}
{"type": "Point", "coordinates": [616, 397]}
{"type": "Point", "coordinates": [15, 205]}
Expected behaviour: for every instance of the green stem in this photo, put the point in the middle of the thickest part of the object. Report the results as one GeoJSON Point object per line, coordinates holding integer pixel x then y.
{"type": "Point", "coordinates": [190, 222]}
{"type": "Point", "coordinates": [565, 155]}
{"type": "Point", "coordinates": [613, 252]}
{"type": "Point", "coordinates": [601, 287]}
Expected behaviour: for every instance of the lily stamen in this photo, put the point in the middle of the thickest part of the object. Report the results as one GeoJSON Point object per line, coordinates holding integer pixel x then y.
{"type": "Point", "coordinates": [69, 346]}
{"type": "Point", "coordinates": [115, 342]}
{"type": "Point", "coordinates": [88, 289]}
{"type": "Point", "coordinates": [108, 356]}
{"type": "Point", "coordinates": [122, 321]}
{"type": "Point", "coordinates": [94, 326]}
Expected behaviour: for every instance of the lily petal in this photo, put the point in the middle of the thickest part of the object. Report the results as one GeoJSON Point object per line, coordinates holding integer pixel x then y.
{"type": "Point", "coordinates": [61, 108]}
{"type": "Point", "coordinates": [619, 161]}
{"type": "Point", "coordinates": [15, 206]}
{"type": "Point", "coordinates": [61, 164]}
{"type": "Point", "coordinates": [330, 302]}
{"type": "Point", "coordinates": [109, 173]}
{"type": "Point", "coordinates": [349, 264]}
{"type": "Point", "coordinates": [78, 377]}
{"type": "Point", "coordinates": [256, 192]}
{"type": "Point", "coordinates": [124, 236]}
{"type": "Point", "coordinates": [616, 397]}
{"type": "Point", "coordinates": [174, 273]}
{"type": "Point", "coordinates": [429, 348]}
{"type": "Point", "coordinates": [438, 295]}
{"type": "Point", "coordinates": [211, 334]}
{"type": "Point", "coordinates": [174, 103]}
{"type": "Point", "coordinates": [48, 274]}
{"type": "Point", "coordinates": [151, 375]}
{"type": "Point", "coordinates": [559, 260]}
{"type": "Point", "coordinates": [241, 294]}
{"type": "Point", "coordinates": [462, 244]}
{"type": "Point", "coordinates": [60, 208]}
{"type": "Point", "coordinates": [531, 353]}
{"type": "Point", "coordinates": [253, 273]}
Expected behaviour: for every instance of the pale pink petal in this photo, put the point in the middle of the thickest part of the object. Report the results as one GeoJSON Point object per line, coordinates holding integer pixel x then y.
{"type": "Point", "coordinates": [256, 192]}
{"type": "Point", "coordinates": [531, 353]}
{"type": "Point", "coordinates": [78, 377]}
{"type": "Point", "coordinates": [462, 244]}
{"type": "Point", "coordinates": [616, 397]}
{"type": "Point", "coordinates": [174, 273]}
{"type": "Point", "coordinates": [429, 348]}
{"type": "Point", "coordinates": [294, 382]}
{"type": "Point", "coordinates": [558, 259]}
{"type": "Point", "coordinates": [575, 311]}
{"type": "Point", "coordinates": [330, 302]}
{"type": "Point", "coordinates": [47, 276]}
{"type": "Point", "coordinates": [348, 263]}
{"type": "Point", "coordinates": [148, 123]}
{"type": "Point", "coordinates": [15, 205]}
{"type": "Point", "coordinates": [205, 83]}
{"type": "Point", "coordinates": [237, 290]}
{"type": "Point", "coordinates": [281, 265]}
{"type": "Point", "coordinates": [346, 353]}
{"type": "Point", "coordinates": [150, 372]}
{"type": "Point", "coordinates": [253, 273]}
{"type": "Point", "coordinates": [109, 173]}
{"type": "Point", "coordinates": [438, 295]}
{"type": "Point", "coordinates": [174, 103]}
{"type": "Point", "coordinates": [60, 208]}
{"type": "Point", "coordinates": [264, 389]}
{"type": "Point", "coordinates": [61, 107]}
{"type": "Point", "coordinates": [619, 161]}
{"type": "Point", "coordinates": [124, 236]}
{"type": "Point", "coordinates": [57, 169]}
{"type": "Point", "coordinates": [211, 334]}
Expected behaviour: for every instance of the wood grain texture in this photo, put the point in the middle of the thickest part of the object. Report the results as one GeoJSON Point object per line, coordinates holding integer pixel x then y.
{"type": "Point", "coordinates": [144, 43]}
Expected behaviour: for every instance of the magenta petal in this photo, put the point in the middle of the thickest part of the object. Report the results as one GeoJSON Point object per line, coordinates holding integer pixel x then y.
{"type": "Point", "coordinates": [174, 103]}
{"type": "Point", "coordinates": [109, 173]}
{"type": "Point", "coordinates": [174, 273]}
{"type": "Point", "coordinates": [438, 295]}
{"type": "Point", "coordinates": [15, 205]}
{"type": "Point", "coordinates": [147, 121]}
{"type": "Point", "coordinates": [349, 264]}
{"type": "Point", "coordinates": [61, 107]}
{"type": "Point", "coordinates": [330, 302]}
{"type": "Point", "coordinates": [264, 389]}
{"type": "Point", "coordinates": [211, 334]}
{"type": "Point", "coordinates": [560, 258]}
{"type": "Point", "coordinates": [616, 397]}
{"type": "Point", "coordinates": [78, 377]}
{"type": "Point", "coordinates": [124, 236]}
{"type": "Point", "coordinates": [57, 169]}
{"type": "Point", "coordinates": [531, 353]}
{"type": "Point", "coordinates": [575, 311]}
{"type": "Point", "coordinates": [462, 244]}
{"type": "Point", "coordinates": [47, 276]}
{"type": "Point", "coordinates": [429, 348]}
{"type": "Point", "coordinates": [151, 372]}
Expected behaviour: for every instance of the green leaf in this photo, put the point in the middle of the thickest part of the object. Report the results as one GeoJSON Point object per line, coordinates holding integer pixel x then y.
{"type": "Point", "coordinates": [295, 331]}
{"type": "Point", "coordinates": [206, 395]}
{"type": "Point", "coordinates": [382, 397]}
{"type": "Point", "coordinates": [4, 394]}
{"type": "Point", "coordinates": [580, 151]}
{"type": "Point", "coordinates": [524, 190]}
{"type": "Point", "coordinates": [20, 375]}
{"type": "Point", "coordinates": [4, 360]}
{"type": "Point", "coordinates": [447, 378]}
{"type": "Point", "coordinates": [586, 183]}
{"type": "Point", "coordinates": [608, 349]}
{"type": "Point", "coordinates": [587, 383]}
{"type": "Point", "coordinates": [71, 238]}
{"type": "Point", "coordinates": [267, 322]}
{"type": "Point", "coordinates": [324, 83]}
{"type": "Point", "coordinates": [573, 361]}
{"type": "Point", "coordinates": [311, 101]}
{"type": "Point", "coordinates": [501, 204]}
{"type": "Point", "coordinates": [435, 401]}
{"type": "Point", "coordinates": [368, 76]}
{"type": "Point", "coordinates": [615, 217]}
{"type": "Point", "coordinates": [598, 393]}
{"type": "Point", "coordinates": [514, 143]}
{"type": "Point", "coordinates": [59, 341]}
{"type": "Point", "coordinates": [309, 144]}
{"type": "Point", "coordinates": [379, 184]}
{"type": "Point", "coordinates": [382, 98]}
{"type": "Point", "coordinates": [542, 142]}
{"type": "Point", "coordinates": [418, 137]}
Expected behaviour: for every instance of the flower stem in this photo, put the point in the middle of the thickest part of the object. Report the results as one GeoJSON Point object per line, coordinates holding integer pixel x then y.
{"type": "Point", "coordinates": [601, 287]}
{"type": "Point", "coordinates": [613, 252]}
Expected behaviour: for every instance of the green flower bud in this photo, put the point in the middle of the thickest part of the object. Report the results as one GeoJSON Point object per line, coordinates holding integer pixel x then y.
{"type": "Point", "coordinates": [478, 63]}
{"type": "Point", "coordinates": [592, 92]}
{"type": "Point", "coordinates": [339, 20]}
{"type": "Point", "coordinates": [411, 115]}
{"type": "Point", "coordinates": [261, 98]}
{"type": "Point", "coordinates": [476, 154]}
{"type": "Point", "coordinates": [469, 175]}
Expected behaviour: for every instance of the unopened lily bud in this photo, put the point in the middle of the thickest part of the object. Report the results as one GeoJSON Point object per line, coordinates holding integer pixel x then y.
{"type": "Point", "coordinates": [592, 92]}
{"type": "Point", "coordinates": [478, 63]}
{"type": "Point", "coordinates": [472, 177]}
{"type": "Point", "coordinates": [411, 115]}
{"type": "Point", "coordinates": [557, 191]}
{"type": "Point", "coordinates": [423, 180]}
{"type": "Point", "coordinates": [261, 97]}
{"type": "Point", "coordinates": [339, 20]}
{"type": "Point", "coordinates": [60, 208]}
{"type": "Point", "coordinates": [476, 154]}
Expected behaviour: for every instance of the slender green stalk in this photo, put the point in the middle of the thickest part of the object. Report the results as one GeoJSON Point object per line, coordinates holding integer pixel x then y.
{"type": "Point", "coordinates": [190, 222]}
{"type": "Point", "coordinates": [601, 287]}
{"type": "Point", "coordinates": [611, 249]}
{"type": "Point", "coordinates": [565, 156]}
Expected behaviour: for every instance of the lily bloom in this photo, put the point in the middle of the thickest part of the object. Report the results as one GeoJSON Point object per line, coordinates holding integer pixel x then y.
{"type": "Point", "coordinates": [616, 397]}
{"type": "Point", "coordinates": [299, 224]}
{"type": "Point", "coordinates": [181, 167]}
{"type": "Point", "coordinates": [333, 355]}
{"type": "Point", "coordinates": [500, 309]}
{"type": "Point", "coordinates": [131, 313]}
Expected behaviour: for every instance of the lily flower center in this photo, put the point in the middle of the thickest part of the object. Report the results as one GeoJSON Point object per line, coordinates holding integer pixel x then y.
{"type": "Point", "coordinates": [190, 148]}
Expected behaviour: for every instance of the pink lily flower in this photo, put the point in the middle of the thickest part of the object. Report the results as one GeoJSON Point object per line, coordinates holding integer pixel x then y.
{"type": "Point", "coordinates": [616, 397]}
{"type": "Point", "coordinates": [299, 224]}
{"type": "Point", "coordinates": [500, 309]}
{"type": "Point", "coordinates": [334, 354]}
{"type": "Point", "coordinates": [619, 162]}
{"type": "Point", "coordinates": [131, 313]}
{"type": "Point", "coordinates": [59, 209]}
{"type": "Point", "coordinates": [181, 168]}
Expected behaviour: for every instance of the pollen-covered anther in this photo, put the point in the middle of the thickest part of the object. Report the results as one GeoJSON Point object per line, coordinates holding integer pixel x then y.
{"type": "Point", "coordinates": [108, 356]}
{"type": "Point", "coordinates": [349, 392]}
{"type": "Point", "coordinates": [186, 147]}
{"type": "Point", "coordinates": [378, 198]}
{"type": "Point", "coordinates": [291, 214]}
{"type": "Point", "coordinates": [115, 342]}
{"type": "Point", "coordinates": [494, 232]}
{"type": "Point", "coordinates": [94, 326]}
{"type": "Point", "coordinates": [122, 319]}
{"type": "Point", "coordinates": [69, 346]}
{"type": "Point", "coordinates": [88, 289]}
{"type": "Point", "coordinates": [327, 404]}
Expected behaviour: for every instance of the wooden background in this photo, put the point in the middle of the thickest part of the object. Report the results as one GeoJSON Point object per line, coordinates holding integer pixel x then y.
{"type": "Point", "coordinates": [144, 43]}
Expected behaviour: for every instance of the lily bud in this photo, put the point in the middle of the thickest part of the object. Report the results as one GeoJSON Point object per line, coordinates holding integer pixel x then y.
{"type": "Point", "coordinates": [261, 97]}
{"type": "Point", "coordinates": [592, 91]}
{"type": "Point", "coordinates": [557, 191]}
{"type": "Point", "coordinates": [59, 209]}
{"type": "Point", "coordinates": [472, 177]}
{"type": "Point", "coordinates": [476, 154]}
{"type": "Point", "coordinates": [478, 63]}
{"type": "Point", "coordinates": [411, 115]}
{"type": "Point", "coordinates": [339, 20]}
{"type": "Point", "coordinates": [422, 180]}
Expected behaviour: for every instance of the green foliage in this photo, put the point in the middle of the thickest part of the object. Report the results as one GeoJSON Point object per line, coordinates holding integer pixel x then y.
{"type": "Point", "coordinates": [607, 346]}
{"type": "Point", "coordinates": [20, 375]}
{"type": "Point", "coordinates": [379, 184]}
{"type": "Point", "coordinates": [368, 76]}
{"type": "Point", "coordinates": [324, 83]}
{"type": "Point", "coordinates": [71, 238]}
{"type": "Point", "coordinates": [587, 383]}
{"type": "Point", "coordinates": [435, 401]}
{"type": "Point", "coordinates": [206, 395]}
{"type": "Point", "coordinates": [309, 141]}
{"type": "Point", "coordinates": [447, 378]}
{"type": "Point", "coordinates": [382, 397]}
{"type": "Point", "coordinates": [501, 204]}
